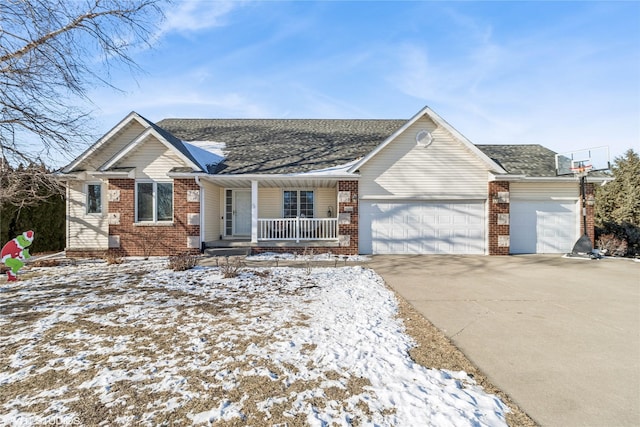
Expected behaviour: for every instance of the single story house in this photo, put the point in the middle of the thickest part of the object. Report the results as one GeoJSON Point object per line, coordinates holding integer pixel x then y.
{"type": "Point", "coordinates": [345, 186]}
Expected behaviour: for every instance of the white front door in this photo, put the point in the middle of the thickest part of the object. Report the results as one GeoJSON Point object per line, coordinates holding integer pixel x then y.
{"type": "Point", "coordinates": [241, 213]}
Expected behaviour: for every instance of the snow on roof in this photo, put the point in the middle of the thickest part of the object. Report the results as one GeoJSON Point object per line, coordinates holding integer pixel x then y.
{"type": "Point", "coordinates": [206, 153]}
{"type": "Point", "coordinates": [334, 170]}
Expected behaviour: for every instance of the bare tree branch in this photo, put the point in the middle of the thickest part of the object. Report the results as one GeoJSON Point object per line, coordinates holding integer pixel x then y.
{"type": "Point", "coordinates": [51, 53]}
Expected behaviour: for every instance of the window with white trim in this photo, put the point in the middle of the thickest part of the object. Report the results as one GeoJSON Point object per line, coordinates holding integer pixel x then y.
{"type": "Point", "coordinates": [154, 201]}
{"type": "Point", "coordinates": [298, 203]}
{"type": "Point", "coordinates": [94, 198]}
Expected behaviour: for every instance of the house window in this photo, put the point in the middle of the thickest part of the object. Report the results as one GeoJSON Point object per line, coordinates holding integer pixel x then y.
{"type": "Point", "coordinates": [94, 198]}
{"type": "Point", "coordinates": [298, 203]}
{"type": "Point", "coordinates": [154, 201]}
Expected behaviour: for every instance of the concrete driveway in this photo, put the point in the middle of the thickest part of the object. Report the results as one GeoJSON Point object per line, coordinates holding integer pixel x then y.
{"type": "Point", "coordinates": [561, 336]}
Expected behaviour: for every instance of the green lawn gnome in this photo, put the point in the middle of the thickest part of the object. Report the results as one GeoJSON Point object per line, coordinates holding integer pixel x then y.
{"type": "Point", "coordinates": [14, 252]}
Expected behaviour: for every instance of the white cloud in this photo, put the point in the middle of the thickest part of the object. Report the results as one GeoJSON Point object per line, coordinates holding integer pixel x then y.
{"type": "Point", "coordinates": [196, 15]}
{"type": "Point", "coordinates": [194, 93]}
{"type": "Point", "coordinates": [562, 90]}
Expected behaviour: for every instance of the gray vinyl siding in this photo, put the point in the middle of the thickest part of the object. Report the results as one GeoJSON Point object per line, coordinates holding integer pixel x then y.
{"type": "Point", "coordinates": [269, 202]}
{"type": "Point", "coordinates": [445, 169]}
{"type": "Point", "coordinates": [212, 213]}
{"type": "Point", "coordinates": [115, 144]}
{"type": "Point", "coordinates": [85, 231]}
{"type": "Point", "coordinates": [152, 160]}
{"type": "Point", "coordinates": [325, 198]}
{"type": "Point", "coordinates": [544, 190]}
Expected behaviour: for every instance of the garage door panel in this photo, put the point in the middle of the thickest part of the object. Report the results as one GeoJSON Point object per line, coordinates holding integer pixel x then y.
{"type": "Point", "coordinates": [543, 226]}
{"type": "Point", "coordinates": [422, 228]}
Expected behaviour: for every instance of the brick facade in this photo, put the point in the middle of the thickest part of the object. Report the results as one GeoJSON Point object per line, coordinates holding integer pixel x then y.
{"type": "Point", "coordinates": [150, 239]}
{"type": "Point", "coordinates": [498, 222]}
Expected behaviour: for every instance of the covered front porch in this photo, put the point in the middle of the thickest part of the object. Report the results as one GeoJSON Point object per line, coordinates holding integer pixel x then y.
{"type": "Point", "coordinates": [276, 213]}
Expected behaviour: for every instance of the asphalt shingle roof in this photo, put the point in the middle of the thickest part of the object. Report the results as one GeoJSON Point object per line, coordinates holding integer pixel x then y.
{"type": "Point", "coordinates": [526, 159]}
{"type": "Point", "coordinates": [280, 146]}
{"type": "Point", "coordinates": [271, 146]}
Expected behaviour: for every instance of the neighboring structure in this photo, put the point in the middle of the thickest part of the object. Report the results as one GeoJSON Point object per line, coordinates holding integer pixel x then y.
{"type": "Point", "coordinates": [348, 186]}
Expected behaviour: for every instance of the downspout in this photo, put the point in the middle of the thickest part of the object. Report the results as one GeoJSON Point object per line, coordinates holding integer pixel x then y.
{"type": "Point", "coordinates": [201, 213]}
{"type": "Point", "coordinates": [68, 216]}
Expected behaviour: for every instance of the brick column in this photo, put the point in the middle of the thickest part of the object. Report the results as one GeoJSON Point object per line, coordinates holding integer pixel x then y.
{"type": "Point", "coordinates": [348, 217]}
{"type": "Point", "coordinates": [590, 196]}
{"type": "Point", "coordinates": [186, 214]}
{"type": "Point", "coordinates": [121, 197]}
{"type": "Point", "coordinates": [499, 218]}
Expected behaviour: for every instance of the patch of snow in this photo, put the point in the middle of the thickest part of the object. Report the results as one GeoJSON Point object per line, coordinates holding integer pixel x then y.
{"type": "Point", "coordinates": [207, 153]}
{"type": "Point", "coordinates": [273, 256]}
{"type": "Point", "coordinates": [333, 170]}
{"type": "Point", "coordinates": [226, 410]}
{"type": "Point", "coordinates": [323, 329]}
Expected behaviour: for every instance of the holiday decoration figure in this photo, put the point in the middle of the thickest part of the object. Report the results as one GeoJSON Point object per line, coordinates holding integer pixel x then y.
{"type": "Point", "coordinates": [14, 252]}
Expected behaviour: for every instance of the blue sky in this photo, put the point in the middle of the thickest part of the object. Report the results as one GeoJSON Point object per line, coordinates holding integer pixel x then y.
{"type": "Point", "coordinates": [562, 74]}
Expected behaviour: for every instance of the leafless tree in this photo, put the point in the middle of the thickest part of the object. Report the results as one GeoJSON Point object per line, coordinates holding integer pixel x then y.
{"type": "Point", "coordinates": [25, 186]}
{"type": "Point", "coordinates": [51, 53]}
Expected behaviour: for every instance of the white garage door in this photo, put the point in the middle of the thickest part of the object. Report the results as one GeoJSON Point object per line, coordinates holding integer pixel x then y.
{"type": "Point", "coordinates": [422, 228]}
{"type": "Point", "coordinates": [542, 227]}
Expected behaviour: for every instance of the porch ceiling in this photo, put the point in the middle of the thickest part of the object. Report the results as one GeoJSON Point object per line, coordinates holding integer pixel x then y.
{"type": "Point", "coordinates": [275, 181]}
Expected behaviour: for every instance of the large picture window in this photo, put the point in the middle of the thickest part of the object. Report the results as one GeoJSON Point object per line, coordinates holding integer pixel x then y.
{"type": "Point", "coordinates": [298, 203]}
{"type": "Point", "coordinates": [94, 198]}
{"type": "Point", "coordinates": [154, 201]}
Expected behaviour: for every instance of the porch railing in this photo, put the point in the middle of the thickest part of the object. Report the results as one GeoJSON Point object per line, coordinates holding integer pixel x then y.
{"type": "Point", "coordinates": [297, 229]}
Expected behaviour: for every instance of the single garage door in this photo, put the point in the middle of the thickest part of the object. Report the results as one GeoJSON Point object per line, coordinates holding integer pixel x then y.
{"type": "Point", "coordinates": [422, 228]}
{"type": "Point", "coordinates": [543, 227]}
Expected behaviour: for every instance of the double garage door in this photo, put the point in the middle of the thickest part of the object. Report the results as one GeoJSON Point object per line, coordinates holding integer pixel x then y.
{"type": "Point", "coordinates": [422, 228]}
{"type": "Point", "coordinates": [460, 227]}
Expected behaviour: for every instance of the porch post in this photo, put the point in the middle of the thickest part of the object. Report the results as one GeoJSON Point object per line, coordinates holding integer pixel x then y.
{"type": "Point", "coordinates": [254, 211]}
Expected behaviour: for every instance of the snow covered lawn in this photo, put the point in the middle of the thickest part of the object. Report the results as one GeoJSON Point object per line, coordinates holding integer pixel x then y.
{"type": "Point", "coordinates": [139, 344]}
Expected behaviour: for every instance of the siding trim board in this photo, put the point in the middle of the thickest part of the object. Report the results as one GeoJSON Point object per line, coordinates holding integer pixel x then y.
{"type": "Point", "coordinates": [428, 198]}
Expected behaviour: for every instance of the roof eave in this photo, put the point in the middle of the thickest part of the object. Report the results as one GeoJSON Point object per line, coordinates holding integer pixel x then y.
{"type": "Point", "coordinates": [70, 176]}
{"type": "Point", "coordinates": [286, 176]}
{"type": "Point", "coordinates": [115, 174]}
{"type": "Point", "coordinates": [524, 178]}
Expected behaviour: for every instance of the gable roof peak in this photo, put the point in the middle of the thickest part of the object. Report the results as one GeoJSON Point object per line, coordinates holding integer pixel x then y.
{"type": "Point", "coordinates": [132, 116]}
{"type": "Point", "coordinates": [439, 121]}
